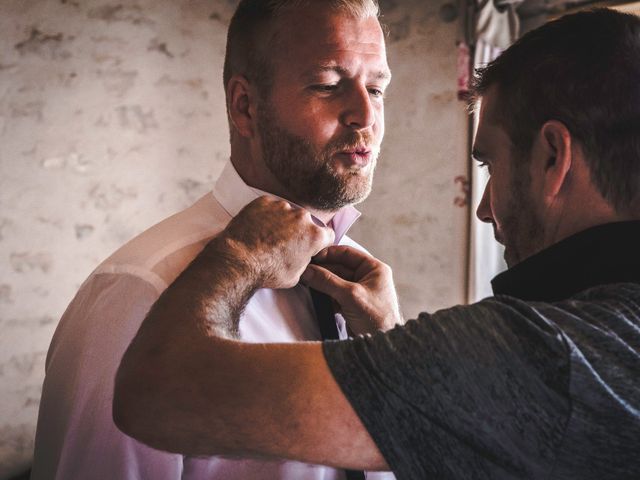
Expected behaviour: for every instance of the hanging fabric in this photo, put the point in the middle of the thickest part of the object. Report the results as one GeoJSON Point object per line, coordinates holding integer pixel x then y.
{"type": "Point", "coordinates": [494, 26]}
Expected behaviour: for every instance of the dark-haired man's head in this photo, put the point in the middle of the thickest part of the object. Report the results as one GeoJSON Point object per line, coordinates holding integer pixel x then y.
{"type": "Point", "coordinates": [304, 81]}
{"type": "Point", "coordinates": [563, 97]}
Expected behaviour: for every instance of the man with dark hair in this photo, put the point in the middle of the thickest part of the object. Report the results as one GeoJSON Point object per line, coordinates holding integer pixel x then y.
{"type": "Point", "coordinates": [539, 381]}
{"type": "Point", "coordinates": [304, 83]}
{"type": "Point", "coordinates": [586, 81]}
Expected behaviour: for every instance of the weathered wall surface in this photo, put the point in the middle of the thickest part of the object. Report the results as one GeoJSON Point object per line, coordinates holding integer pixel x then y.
{"type": "Point", "coordinates": [415, 220]}
{"type": "Point", "coordinates": [112, 117]}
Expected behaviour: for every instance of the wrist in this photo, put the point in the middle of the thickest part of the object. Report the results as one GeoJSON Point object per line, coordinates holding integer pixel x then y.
{"type": "Point", "coordinates": [237, 259]}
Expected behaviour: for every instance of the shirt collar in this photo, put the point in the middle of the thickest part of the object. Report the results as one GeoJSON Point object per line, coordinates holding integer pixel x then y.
{"type": "Point", "coordinates": [233, 194]}
{"type": "Point", "coordinates": [599, 255]}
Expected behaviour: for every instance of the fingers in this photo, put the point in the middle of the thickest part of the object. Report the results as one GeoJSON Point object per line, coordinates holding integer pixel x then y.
{"type": "Point", "coordinates": [270, 220]}
{"type": "Point", "coordinates": [340, 270]}
{"type": "Point", "coordinates": [325, 237]}
{"type": "Point", "coordinates": [327, 282]}
{"type": "Point", "coordinates": [278, 238]}
{"type": "Point", "coordinates": [342, 254]}
{"type": "Point", "coordinates": [350, 258]}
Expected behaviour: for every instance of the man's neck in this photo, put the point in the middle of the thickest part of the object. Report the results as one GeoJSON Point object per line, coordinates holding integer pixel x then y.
{"type": "Point", "coordinates": [259, 177]}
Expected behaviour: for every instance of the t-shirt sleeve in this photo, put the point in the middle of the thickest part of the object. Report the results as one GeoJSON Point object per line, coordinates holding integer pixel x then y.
{"type": "Point", "coordinates": [478, 391]}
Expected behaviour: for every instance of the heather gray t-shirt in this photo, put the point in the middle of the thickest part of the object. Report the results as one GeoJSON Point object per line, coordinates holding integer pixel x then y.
{"type": "Point", "coordinates": [504, 388]}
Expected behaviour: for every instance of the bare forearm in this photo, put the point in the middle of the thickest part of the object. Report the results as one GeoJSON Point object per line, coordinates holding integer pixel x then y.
{"type": "Point", "coordinates": [268, 401]}
{"type": "Point", "coordinates": [170, 357]}
{"type": "Point", "coordinates": [212, 292]}
{"type": "Point", "coordinates": [183, 388]}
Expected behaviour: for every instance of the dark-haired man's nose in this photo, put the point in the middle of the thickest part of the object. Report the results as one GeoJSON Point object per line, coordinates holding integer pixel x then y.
{"type": "Point", "coordinates": [484, 212]}
{"type": "Point", "coordinates": [359, 112]}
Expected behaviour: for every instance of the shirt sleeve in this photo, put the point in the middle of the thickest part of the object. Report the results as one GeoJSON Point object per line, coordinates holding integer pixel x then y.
{"type": "Point", "coordinates": [479, 391]}
{"type": "Point", "coordinates": [76, 437]}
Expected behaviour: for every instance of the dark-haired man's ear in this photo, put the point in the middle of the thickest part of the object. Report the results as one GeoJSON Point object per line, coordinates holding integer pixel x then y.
{"type": "Point", "coordinates": [554, 157]}
{"type": "Point", "coordinates": [242, 105]}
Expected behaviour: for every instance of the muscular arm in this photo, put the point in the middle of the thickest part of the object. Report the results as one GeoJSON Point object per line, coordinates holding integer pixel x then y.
{"type": "Point", "coordinates": [183, 387]}
{"type": "Point", "coordinates": [228, 398]}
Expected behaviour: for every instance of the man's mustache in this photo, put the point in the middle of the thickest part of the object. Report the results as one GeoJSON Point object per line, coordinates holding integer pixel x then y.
{"type": "Point", "coordinates": [363, 141]}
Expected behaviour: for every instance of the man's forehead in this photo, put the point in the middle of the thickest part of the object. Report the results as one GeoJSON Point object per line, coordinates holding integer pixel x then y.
{"type": "Point", "coordinates": [489, 107]}
{"type": "Point", "coordinates": [491, 133]}
{"type": "Point", "coordinates": [330, 30]}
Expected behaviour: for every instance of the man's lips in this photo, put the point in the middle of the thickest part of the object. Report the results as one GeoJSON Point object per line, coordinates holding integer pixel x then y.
{"type": "Point", "coordinates": [357, 157]}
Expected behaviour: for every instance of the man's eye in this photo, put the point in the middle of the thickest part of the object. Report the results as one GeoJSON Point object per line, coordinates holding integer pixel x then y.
{"type": "Point", "coordinates": [376, 92]}
{"type": "Point", "coordinates": [325, 88]}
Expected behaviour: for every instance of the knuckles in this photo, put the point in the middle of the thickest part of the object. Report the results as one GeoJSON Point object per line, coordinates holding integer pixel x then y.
{"type": "Point", "coordinates": [357, 292]}
{"type": "Point", "coordinates": [281, 238]}
{"type": "Point", "coordinates": [386, 269]}
{"type": "Point", "coordinates": [321, 236]}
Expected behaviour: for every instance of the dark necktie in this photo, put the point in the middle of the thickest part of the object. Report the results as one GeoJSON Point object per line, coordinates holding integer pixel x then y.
{"type": "Point", "coordinates": [329, 331]}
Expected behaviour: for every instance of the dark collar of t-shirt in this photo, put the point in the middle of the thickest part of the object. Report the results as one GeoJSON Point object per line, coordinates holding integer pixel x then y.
{"type": "Point", "coordinates": [600, 255]}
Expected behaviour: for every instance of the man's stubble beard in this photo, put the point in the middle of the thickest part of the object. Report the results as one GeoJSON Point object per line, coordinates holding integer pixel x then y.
{"type": "Point", "coordinates": [522, 229]}
{"type": "Point", "coordinates": [308, 175]}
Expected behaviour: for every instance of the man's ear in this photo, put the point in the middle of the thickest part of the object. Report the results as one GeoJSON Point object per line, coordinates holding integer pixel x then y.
{"type": "Point", "coordinates": [242, 105]}
{"type": "Point", "coordinates": [555, 157]}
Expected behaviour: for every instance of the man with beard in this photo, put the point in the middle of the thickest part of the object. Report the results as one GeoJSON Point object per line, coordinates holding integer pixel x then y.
{"type": "Point", "coordinates": [304, 83]}
{"type": "Point", "coordinates": [540, 381]}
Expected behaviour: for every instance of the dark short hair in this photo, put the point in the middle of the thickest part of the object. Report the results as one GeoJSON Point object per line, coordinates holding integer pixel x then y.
{"type": "Point", "coordinates": [249, 36]}
{"type": "Point", "coordinates": [584, 71]}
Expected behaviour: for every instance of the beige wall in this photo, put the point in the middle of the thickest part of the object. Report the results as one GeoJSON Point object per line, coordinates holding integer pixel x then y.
{"type": "Point", "coordinates": [112, 117]}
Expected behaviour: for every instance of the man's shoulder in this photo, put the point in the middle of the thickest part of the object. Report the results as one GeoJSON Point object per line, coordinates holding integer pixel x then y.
{"type": "Point", "coordinates": [610, 293]}
{"type": "Point", "coordinates": [596, 304]}
{"type": "Point", "coordinates": [604, 318]}
{"type": "Point", "coordinates": [599, 327]}
{"type": "Point", "coordinates": [609, 296]}
{"type": "Point", "coordinates": [161, 252]}
{"type": "Point", "coordinates": [122, 288]}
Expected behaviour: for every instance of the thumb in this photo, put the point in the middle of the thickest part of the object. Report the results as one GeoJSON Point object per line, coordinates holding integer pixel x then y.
{"type": "Point", "coordinates": [325, 281]}
{"type": "Point", "coordinates": [325, 238]}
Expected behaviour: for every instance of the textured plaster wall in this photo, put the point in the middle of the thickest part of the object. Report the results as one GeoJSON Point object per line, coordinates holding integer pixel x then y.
{"type": "Point", "coordinates": [416, 218]}
{"type": "Point", "coordinates": [112, 117]}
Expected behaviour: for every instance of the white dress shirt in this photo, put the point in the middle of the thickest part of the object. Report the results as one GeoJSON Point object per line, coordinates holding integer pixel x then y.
{"type": "Point", "coordinates": [76, 437]}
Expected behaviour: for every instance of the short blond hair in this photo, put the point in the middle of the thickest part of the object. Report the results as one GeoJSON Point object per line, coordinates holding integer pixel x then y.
{"type": "Point", "coordinates": [249, 37]}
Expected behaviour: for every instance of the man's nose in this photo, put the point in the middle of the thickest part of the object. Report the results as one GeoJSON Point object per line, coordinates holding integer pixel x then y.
{"type": "Point", "coordinates": [483, 212]}
{"type": "Point", "coordinates": [359, 112]}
